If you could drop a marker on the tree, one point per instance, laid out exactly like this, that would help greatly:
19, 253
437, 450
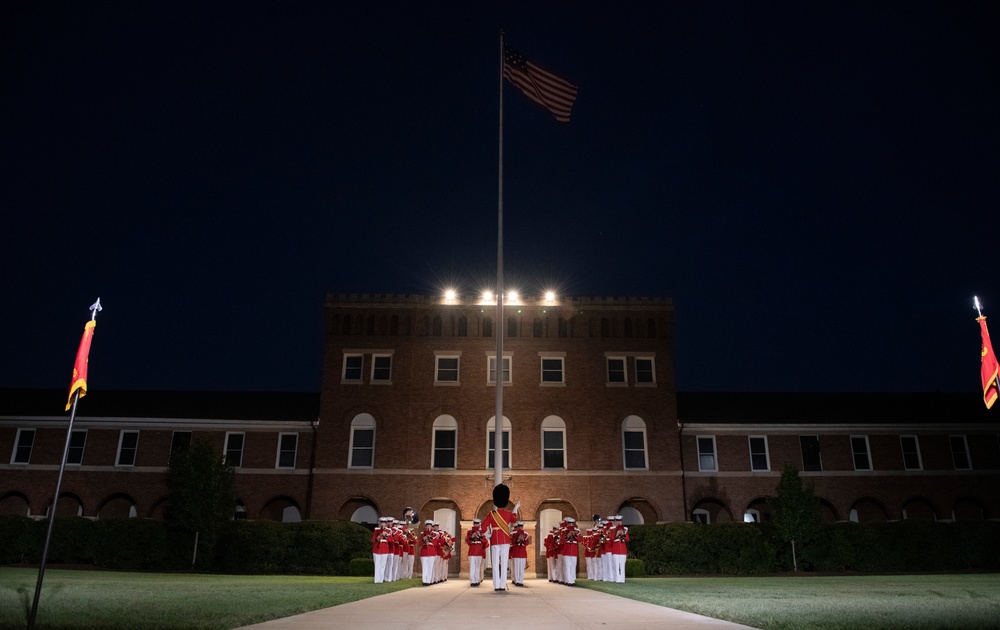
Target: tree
202, 492
796, 510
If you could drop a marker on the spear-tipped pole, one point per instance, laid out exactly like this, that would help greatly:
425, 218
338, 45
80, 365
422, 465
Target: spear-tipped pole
94, 308
979, 309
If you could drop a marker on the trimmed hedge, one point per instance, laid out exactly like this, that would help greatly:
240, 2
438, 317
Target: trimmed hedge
362, 567
322, 548
634, 568
751, 549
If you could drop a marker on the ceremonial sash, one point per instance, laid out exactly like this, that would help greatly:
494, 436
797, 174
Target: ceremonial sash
502, 523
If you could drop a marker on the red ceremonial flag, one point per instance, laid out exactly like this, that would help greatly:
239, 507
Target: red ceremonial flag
543, 87
79, 381
988, 367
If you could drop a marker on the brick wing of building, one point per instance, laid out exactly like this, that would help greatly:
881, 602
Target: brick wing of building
592, 426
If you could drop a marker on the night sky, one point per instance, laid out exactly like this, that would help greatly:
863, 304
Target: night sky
815, 185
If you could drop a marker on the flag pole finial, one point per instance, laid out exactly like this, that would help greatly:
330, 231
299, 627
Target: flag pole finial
95, 308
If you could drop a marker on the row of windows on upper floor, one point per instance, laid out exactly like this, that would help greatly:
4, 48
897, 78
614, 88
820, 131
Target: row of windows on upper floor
444, 443
517, 326
619, 368
128, 447
812, 458
444, 447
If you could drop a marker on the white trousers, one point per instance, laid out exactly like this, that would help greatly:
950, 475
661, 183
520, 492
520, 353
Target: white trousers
568, 568
427, 569
475, 569
381, 559
498, 557
518, 566
619, 563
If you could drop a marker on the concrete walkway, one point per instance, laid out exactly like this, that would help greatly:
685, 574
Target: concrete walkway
453, 604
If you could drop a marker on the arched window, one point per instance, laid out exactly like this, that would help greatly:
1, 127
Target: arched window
536, 327
487, 327
553, 442
563, 328
362, 448
628, 328
651, 328
605, 327
490, 443
463, 327
512, 327
394, 325
436, 327
634, 443
445, 442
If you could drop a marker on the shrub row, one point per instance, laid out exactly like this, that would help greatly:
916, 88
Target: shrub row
324, 548
750, 549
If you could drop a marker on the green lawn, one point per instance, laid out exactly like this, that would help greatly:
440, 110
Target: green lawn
158, 601
828, 603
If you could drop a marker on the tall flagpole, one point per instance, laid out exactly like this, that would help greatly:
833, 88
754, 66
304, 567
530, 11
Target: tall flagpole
55, 500
498, 423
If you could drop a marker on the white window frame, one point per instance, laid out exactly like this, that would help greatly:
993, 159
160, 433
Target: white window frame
635, 424
553, 424
295, 451
135, 450
444, 423
82, 447
916, 445
965, 444
767, 453
437, 368
506, 428
360, 368
607, 370
17, 443
373, 379
243, 446
715, 453
561, 358
868, 453
652, 371
362, 422
507, 365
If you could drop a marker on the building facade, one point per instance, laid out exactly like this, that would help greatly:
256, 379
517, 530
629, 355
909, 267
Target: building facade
592, 425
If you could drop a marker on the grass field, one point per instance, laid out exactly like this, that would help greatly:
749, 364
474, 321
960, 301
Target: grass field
156, 601
89, 600
910, 602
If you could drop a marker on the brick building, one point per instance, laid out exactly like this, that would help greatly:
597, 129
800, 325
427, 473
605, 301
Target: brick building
592, 425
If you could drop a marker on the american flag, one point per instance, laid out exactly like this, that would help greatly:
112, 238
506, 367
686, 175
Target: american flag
543, 87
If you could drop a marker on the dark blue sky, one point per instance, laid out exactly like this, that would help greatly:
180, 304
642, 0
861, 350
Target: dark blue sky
816, 185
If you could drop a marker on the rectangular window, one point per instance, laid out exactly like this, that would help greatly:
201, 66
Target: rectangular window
181, 440
444, 448
616, 369
490, 461
288, 445
635, 449
234, 449
860, 452
446, 370
362, 448
911, 452
22, 446
128, 444
74, 456
352, 368
552, 369
644, 372
553, 449
381, 368
810, 452
706, 454
759, 461
491, 376
960, 452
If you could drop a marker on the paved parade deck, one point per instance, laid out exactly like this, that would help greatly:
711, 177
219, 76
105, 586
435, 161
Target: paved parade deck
453, 604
